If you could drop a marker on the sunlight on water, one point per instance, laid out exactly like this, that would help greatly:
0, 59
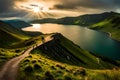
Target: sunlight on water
91, 40
36, 26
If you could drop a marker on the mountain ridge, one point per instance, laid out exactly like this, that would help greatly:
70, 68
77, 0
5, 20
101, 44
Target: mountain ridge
61, 59
17, 23
58, 58
63, 50
10, 35
83, 20
110, 25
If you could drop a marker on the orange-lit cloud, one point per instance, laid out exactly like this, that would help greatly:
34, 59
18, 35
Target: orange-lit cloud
58, 8
66, 4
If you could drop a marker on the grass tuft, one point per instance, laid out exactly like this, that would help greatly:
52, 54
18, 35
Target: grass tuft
28, 69
49, 76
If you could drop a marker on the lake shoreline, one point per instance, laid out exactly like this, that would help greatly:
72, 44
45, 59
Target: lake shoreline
96, 41
109, 35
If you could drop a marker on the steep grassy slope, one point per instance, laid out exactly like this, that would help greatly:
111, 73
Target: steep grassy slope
63, 50
84, 20
110, 25
61, 59
10, 35
9, 51
37, 67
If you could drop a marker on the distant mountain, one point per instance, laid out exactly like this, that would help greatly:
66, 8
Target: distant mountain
17, 23
10, 35
63, 50
110, 25
84, 20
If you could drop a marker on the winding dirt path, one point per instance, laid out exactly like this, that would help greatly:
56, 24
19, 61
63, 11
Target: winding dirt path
9, 70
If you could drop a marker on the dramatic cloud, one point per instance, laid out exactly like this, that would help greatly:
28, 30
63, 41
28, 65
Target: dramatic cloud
94, 4
6, 5
13, 7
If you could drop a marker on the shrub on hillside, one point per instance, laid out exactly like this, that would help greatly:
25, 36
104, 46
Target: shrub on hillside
27, 60
37, 67
60, 66
34, 61
67, 77
80, 71
48, 76
28, 69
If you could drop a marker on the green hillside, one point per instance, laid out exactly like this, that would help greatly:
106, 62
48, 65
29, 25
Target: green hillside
37, 67
50, 61
58, 59
17, 23
63, 50
10, 35
83, 20
110, 25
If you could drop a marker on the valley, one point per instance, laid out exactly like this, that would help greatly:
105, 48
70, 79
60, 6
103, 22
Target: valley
55, 55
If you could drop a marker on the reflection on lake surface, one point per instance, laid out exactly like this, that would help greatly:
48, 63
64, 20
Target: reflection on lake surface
91, 40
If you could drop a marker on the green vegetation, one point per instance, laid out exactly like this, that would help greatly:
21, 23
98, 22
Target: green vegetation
63, 50
14, 41
60, 58
17, 23
30, 42
110, 25
10, 35
38, 67
103, 75
6, 54
50, 62
82, 20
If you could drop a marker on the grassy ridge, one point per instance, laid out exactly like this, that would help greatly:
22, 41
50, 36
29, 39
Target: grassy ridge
82, 20
63, 50
16, 50
10, 35
7, 39
13, 31
60, 58
111, 25
13, 41
50, 62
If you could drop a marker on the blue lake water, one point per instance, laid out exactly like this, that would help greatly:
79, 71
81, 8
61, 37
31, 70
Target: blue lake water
91, 40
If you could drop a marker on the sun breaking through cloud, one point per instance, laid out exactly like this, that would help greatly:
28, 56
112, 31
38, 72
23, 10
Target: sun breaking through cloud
55, 8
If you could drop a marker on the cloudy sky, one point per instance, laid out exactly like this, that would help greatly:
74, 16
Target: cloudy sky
13, 8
